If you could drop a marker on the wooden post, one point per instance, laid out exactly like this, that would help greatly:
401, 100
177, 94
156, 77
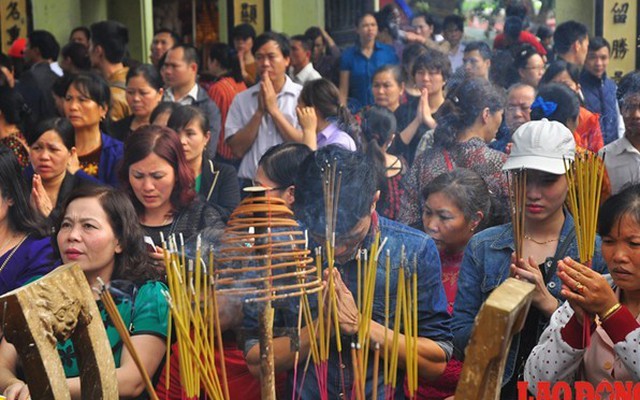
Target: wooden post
500, 318
265, 319
267, 367
55, 308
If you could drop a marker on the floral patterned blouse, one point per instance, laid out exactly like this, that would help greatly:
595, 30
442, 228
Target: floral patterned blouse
473, 154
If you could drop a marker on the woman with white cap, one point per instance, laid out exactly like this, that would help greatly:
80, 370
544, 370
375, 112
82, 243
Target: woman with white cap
540, 148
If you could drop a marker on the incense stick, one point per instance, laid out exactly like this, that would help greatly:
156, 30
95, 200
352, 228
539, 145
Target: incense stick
118, 323
517, 180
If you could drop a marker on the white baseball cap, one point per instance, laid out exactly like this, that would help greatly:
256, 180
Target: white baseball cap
541, 145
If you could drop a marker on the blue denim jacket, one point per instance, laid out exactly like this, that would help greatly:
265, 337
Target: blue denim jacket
433, 318
485, 266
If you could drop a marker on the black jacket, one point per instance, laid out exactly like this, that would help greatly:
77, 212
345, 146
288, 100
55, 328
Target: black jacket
219, 187
35, 87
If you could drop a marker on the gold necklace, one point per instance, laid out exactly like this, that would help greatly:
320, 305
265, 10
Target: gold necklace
540, 242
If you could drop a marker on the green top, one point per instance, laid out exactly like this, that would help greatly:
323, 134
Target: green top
198, 183
150, 316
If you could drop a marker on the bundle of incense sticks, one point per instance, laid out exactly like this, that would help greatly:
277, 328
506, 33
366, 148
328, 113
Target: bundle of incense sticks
327, 324
584, 179
114, 315
193, 302
319, 333
405, 325
517, 179
332, 180
367, 268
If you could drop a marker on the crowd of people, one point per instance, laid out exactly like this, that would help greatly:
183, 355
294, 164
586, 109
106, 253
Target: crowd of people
103, 156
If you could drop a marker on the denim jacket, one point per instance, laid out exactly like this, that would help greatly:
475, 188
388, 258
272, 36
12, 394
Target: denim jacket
433, 318
486, 264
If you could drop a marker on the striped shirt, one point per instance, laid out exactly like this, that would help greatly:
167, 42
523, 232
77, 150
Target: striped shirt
222, 93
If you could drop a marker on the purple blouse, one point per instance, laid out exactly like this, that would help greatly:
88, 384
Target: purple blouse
333, 135
32, 258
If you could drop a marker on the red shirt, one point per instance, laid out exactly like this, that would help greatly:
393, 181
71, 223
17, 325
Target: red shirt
222, 93
242, 385
525, 37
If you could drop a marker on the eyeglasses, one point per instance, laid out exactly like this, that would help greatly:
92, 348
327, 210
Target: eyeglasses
518, 107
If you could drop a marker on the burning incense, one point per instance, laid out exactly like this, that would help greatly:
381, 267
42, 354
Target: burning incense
517, 179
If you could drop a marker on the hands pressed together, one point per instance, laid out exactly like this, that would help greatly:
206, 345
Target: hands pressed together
348, 315
267, 98
39, 199
424, 109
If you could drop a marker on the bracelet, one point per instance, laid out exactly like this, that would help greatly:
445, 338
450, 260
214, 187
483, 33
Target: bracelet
610, 311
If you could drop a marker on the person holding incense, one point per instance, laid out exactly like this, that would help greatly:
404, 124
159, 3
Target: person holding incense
457, 205
547, 235
356, 226
611, 304
98, 230
556, 102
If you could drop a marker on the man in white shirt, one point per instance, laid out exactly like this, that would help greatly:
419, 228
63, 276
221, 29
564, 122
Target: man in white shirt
453, 31
179, 72
623, 155
301, 70
265, 114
